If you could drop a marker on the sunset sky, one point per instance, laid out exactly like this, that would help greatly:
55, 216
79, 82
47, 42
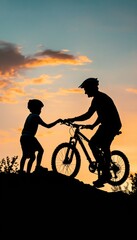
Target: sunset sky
47, 49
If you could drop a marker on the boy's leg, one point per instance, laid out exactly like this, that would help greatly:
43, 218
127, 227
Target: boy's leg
30, 162
40, 150
39, 157
24, 141
22, 163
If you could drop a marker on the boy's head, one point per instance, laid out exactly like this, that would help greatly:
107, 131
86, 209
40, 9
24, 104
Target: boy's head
35, 105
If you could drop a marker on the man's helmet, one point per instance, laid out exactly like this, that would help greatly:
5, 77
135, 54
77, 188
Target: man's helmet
34, 104
89, 83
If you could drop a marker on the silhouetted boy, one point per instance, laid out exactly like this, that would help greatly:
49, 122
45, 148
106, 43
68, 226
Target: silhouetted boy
29, 143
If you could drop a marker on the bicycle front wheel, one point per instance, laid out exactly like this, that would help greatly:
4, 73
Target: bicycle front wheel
119, 168
66, 160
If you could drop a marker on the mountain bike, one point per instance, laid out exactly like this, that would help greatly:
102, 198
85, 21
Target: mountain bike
66, 158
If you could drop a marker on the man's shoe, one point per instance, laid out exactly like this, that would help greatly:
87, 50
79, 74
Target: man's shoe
106, 176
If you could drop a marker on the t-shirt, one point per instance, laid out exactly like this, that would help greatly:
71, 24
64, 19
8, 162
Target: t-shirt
31, 124
106, 110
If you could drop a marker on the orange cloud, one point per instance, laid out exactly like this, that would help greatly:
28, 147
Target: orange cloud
9, 89
4, 83
43, 79
6, 99
16, 91
6, 136
12, 60
132, 90
63, 91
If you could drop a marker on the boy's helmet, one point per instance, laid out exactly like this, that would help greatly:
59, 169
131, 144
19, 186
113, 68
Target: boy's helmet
89, 83
34, 104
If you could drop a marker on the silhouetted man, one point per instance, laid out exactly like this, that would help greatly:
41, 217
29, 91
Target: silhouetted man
108, 122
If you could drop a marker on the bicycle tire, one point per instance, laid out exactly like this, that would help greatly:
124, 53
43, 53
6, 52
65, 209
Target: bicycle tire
58, 156
120, 161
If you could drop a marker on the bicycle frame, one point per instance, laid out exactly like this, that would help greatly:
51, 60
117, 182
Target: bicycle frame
66, 158
78, 138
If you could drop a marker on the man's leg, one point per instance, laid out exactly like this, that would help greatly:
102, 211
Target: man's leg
102, 138
107, 155
93, 143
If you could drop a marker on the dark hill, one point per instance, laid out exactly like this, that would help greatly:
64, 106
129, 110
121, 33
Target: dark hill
47, 200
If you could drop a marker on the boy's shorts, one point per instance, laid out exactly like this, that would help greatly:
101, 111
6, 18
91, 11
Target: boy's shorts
29, 145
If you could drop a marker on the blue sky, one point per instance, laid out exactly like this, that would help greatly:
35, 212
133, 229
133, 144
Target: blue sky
47, 48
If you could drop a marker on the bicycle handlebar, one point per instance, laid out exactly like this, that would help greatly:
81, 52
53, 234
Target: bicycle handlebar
68, 123
80, 126
71, 124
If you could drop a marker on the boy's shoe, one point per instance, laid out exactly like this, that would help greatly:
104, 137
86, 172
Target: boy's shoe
21, 172
98, 183
40, 170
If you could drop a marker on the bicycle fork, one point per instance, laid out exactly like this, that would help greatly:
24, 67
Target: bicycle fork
70, 152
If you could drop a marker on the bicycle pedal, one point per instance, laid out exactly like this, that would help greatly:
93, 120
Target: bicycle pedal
92, 167
92, 170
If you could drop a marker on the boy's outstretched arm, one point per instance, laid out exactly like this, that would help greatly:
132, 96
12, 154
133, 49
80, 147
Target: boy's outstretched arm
49, 125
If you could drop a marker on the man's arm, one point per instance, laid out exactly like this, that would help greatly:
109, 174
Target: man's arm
97, 122
82, 117
92, 126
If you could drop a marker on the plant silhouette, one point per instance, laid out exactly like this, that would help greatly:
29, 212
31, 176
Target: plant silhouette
9, 165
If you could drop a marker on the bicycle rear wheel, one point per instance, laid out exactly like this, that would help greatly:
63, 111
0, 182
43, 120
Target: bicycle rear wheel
119, 168
66, 160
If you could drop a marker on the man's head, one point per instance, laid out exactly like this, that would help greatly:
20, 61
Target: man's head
90, 86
